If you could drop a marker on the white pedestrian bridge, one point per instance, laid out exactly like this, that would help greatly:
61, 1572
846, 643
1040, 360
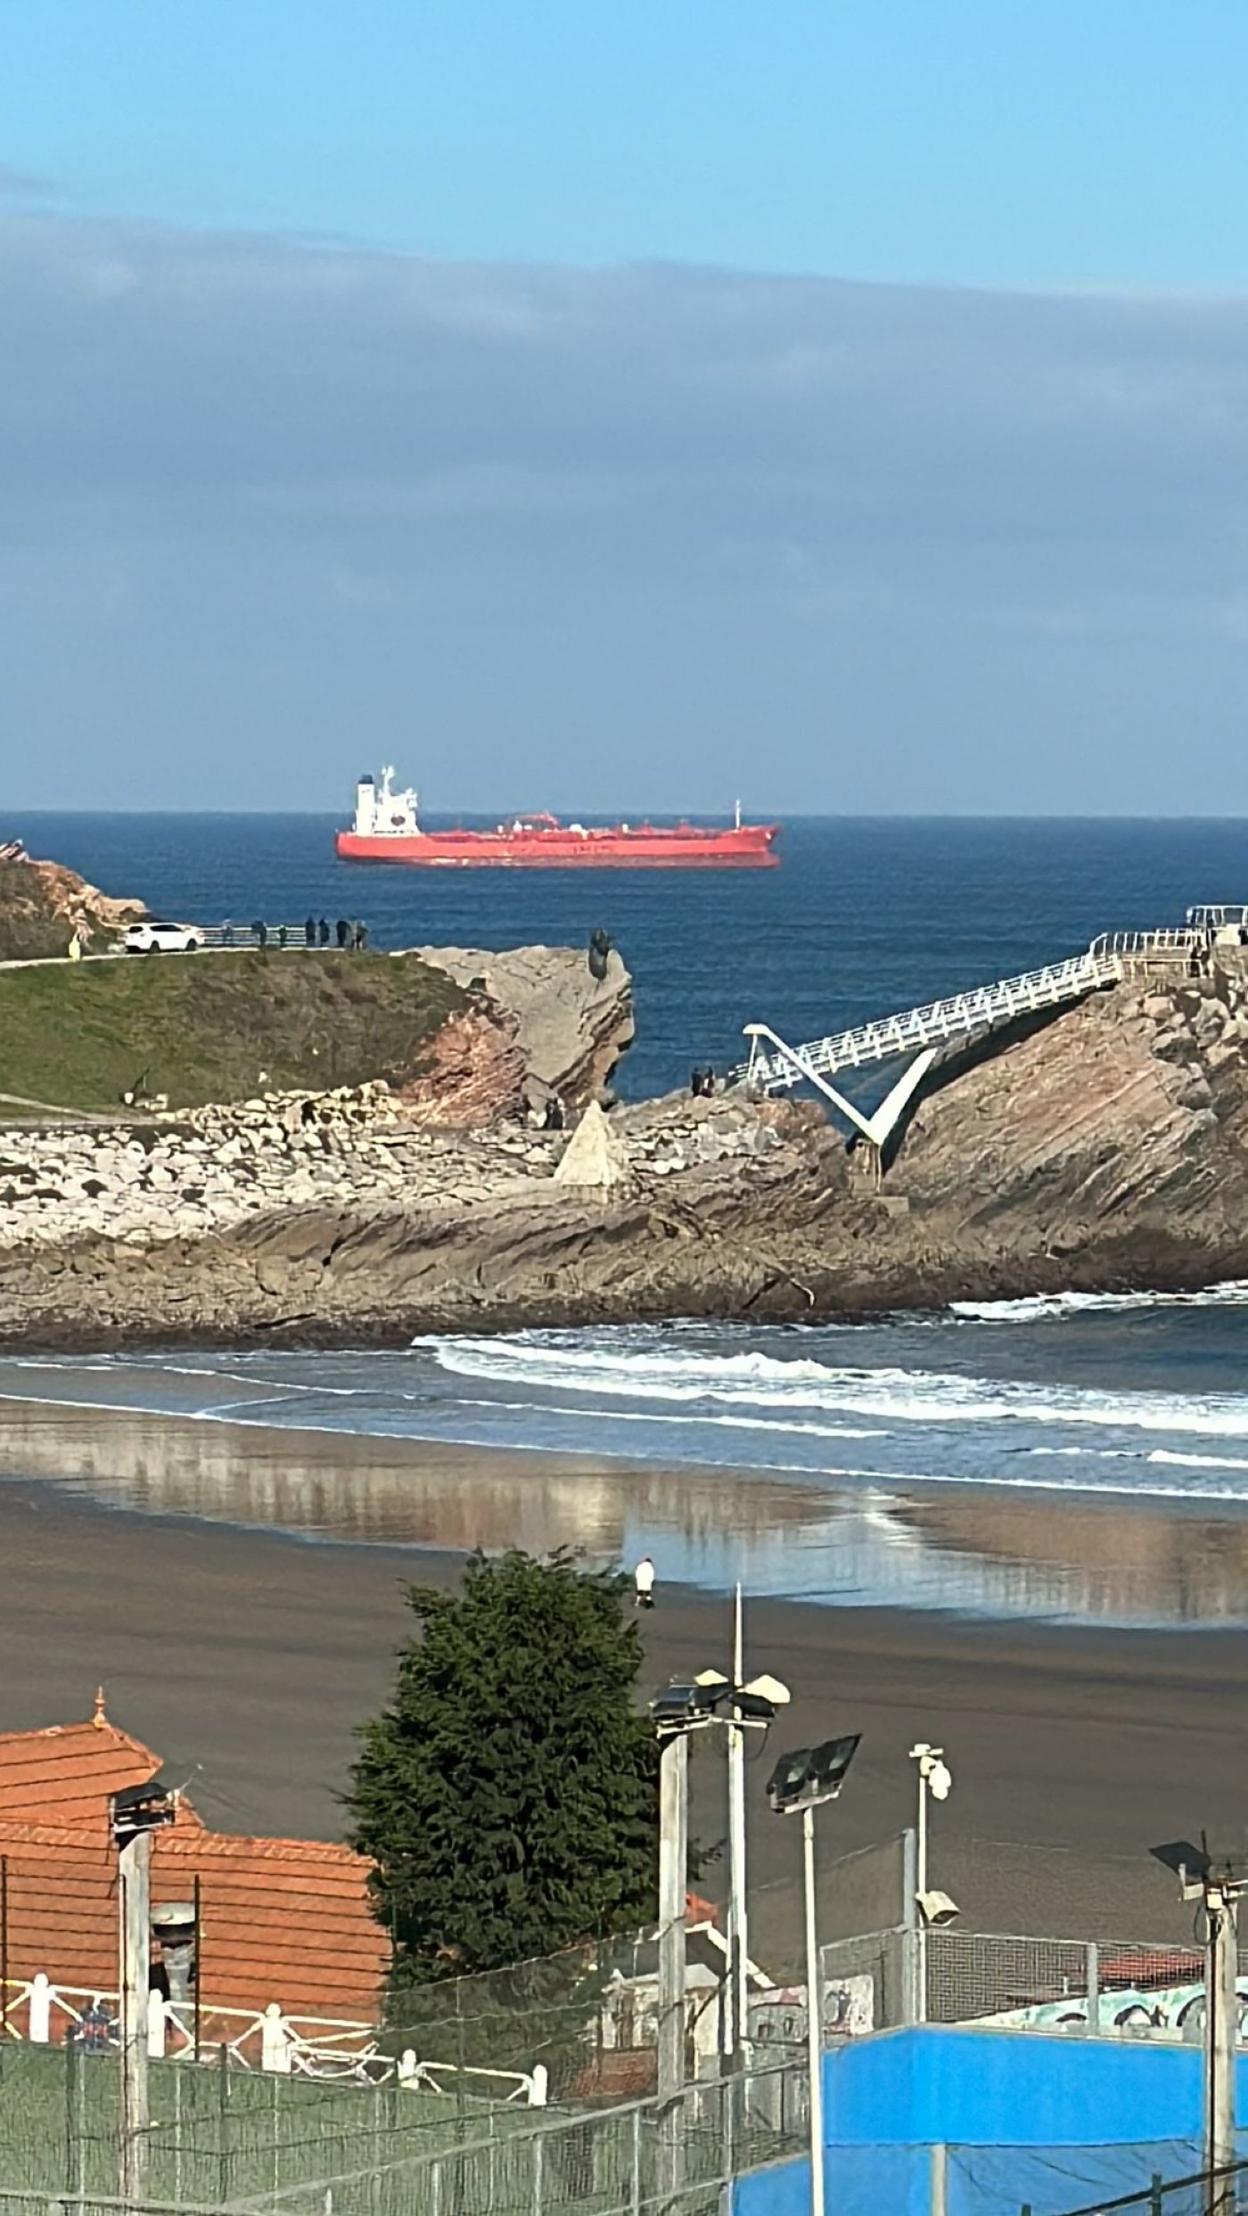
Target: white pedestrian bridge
775, 1066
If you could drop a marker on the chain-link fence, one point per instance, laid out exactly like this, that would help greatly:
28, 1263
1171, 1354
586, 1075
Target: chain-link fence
588, 2017
226, 2140
885, 1978
216, 2134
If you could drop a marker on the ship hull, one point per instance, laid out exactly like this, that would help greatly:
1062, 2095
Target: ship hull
748, 848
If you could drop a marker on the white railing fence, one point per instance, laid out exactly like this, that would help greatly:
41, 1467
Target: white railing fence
43, 2014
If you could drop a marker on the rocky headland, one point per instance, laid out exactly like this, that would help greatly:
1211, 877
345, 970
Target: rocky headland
1106, 1148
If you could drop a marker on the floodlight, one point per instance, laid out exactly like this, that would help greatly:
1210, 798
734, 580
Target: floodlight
768, 1689
937, 1909
713, 1681
680, 1707
1191, 1865
139, 1808
939, 1780
811, 1774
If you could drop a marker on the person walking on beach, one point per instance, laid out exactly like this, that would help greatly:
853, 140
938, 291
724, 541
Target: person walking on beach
643, 1583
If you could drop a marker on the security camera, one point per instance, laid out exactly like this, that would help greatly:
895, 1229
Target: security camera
937, 1909
939, 1780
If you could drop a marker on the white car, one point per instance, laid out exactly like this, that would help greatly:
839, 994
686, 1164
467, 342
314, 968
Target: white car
160, 938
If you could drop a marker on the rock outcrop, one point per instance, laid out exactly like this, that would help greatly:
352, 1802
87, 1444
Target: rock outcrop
42, 905
1107, 1149
569, 1026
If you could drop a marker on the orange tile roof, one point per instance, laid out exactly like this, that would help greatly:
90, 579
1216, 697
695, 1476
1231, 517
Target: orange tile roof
286, 1920
66, 1773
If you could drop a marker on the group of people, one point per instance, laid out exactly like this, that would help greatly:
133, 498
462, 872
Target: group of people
350, 936
702, 1083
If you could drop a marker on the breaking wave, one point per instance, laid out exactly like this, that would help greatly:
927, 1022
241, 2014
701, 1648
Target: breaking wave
567, 1364
1053, 1307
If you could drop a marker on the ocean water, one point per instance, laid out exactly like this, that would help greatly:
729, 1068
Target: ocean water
862, 916
1078, 1456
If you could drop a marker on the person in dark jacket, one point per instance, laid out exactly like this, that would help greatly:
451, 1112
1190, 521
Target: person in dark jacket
309, 931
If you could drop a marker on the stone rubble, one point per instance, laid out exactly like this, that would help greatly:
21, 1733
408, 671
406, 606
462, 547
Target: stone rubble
205, 1171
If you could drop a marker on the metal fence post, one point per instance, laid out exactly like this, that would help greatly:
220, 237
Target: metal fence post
911, 1960
177, 2133
634, 2201
939, 2179
223, 2123
1094, 1987
538, 2170
71, 2076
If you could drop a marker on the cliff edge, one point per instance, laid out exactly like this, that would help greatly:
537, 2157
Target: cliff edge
1107, 1150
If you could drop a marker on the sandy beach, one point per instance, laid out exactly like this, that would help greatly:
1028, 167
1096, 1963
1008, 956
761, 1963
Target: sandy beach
246, 1656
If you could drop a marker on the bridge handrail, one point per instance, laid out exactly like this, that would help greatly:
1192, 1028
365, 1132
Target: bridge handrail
1176, 940
1078, 973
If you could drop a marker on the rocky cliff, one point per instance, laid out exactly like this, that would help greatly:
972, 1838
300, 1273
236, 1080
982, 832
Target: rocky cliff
1107, 1149
42, 904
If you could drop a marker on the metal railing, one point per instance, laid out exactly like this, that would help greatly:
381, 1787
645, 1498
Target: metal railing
43, 2014
936, 1022
1180, 940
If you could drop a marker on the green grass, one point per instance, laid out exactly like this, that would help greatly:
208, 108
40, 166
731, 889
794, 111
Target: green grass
208, 1026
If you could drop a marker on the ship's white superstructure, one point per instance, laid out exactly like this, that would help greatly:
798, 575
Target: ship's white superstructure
381, 813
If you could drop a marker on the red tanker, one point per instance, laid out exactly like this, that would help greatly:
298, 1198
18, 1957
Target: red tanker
387, 829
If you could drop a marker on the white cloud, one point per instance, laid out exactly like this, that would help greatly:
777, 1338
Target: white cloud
679, 510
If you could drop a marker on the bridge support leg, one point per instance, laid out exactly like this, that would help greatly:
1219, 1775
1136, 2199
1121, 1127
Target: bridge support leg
881, 1126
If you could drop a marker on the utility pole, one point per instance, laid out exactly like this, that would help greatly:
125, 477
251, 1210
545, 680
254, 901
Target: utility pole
673, 1866
676, 1712
1221, 2033
737, 2012
814, 2013
800, 1783
935, 1779
136, 1813
134, 1891
1218, 1884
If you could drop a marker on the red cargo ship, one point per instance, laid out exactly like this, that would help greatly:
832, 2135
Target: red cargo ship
387, 829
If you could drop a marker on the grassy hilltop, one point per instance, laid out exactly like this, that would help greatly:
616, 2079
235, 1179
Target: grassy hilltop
211, 1026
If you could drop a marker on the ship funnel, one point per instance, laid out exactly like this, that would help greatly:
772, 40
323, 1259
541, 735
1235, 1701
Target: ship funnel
365, 807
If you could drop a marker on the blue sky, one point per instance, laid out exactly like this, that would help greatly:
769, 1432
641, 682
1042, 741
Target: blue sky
1066, 142
598, 406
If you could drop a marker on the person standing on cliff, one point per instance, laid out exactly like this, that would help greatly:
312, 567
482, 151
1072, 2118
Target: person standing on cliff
643, 1583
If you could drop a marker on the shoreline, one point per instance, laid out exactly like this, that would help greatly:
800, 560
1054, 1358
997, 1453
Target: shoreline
1171, 1273
246, 1657
1076, 1556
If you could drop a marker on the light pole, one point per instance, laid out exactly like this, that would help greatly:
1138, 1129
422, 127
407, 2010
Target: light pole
682, 1708
935, 1778
735, 2027
675, 1712
800, 1783
1217, 1884
137, 1811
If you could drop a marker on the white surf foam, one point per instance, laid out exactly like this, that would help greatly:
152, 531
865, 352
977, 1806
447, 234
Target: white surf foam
762, 1382
1053, 1307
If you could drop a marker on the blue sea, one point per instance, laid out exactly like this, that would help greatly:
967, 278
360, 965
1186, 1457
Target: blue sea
1074, 1456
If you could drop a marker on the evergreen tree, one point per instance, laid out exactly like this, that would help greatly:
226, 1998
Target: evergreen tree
507, 1796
